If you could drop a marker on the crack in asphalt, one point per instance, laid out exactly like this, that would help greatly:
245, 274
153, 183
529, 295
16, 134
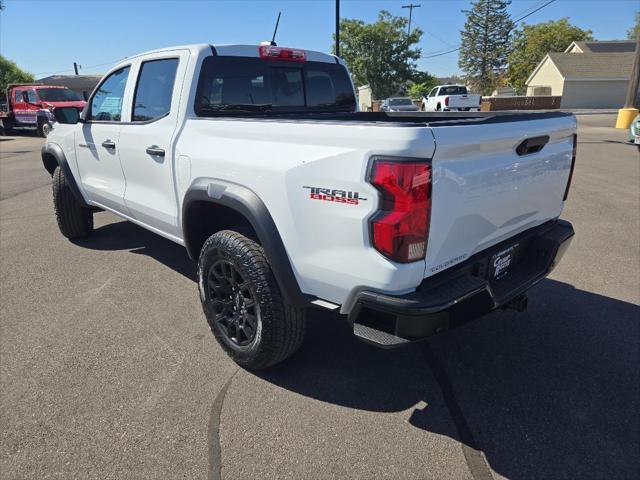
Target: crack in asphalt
473, 455
213, 432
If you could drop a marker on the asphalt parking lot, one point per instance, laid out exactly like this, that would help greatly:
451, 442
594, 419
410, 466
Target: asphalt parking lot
108, 368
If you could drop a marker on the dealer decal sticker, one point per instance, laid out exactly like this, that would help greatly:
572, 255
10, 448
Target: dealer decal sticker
334, 195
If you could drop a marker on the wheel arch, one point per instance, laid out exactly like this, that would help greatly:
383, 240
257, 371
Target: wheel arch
228, 205
53, 157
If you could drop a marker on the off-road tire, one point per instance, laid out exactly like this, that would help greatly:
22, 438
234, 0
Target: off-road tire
74, 221
281, 327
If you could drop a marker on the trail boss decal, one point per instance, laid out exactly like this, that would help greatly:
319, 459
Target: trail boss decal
334, 195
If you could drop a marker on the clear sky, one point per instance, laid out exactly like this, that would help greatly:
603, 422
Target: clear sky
47, 36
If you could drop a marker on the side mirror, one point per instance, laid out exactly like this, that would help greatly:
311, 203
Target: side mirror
68, 115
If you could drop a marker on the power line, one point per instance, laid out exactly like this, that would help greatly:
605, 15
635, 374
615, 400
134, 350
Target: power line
439, 53
533, 11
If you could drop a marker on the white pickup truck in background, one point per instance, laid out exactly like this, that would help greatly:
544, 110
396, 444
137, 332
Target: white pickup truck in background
445, 98
256, 159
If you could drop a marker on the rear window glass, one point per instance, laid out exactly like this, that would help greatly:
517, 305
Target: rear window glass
453, 90
240, 84
400, 101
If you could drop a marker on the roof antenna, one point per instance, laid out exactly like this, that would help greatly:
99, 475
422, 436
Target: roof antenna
275, 30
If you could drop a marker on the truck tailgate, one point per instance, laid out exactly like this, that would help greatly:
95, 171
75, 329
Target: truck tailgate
484, 191
463, 101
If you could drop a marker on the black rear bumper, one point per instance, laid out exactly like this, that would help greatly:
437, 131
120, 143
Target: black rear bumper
461, 293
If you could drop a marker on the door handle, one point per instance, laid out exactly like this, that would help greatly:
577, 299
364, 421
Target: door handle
83, 145
109, 144
155, 150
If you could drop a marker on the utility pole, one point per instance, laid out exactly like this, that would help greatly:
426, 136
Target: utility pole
75, 67
630, 110
411, 6
337, 28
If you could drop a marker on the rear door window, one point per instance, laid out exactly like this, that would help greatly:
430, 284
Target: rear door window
154, 90
254, 84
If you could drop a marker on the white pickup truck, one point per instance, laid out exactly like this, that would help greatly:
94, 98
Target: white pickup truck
256, 159
446, 98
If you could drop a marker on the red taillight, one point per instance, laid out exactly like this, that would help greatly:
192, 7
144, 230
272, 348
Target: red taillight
446, 101
573, 164
400, 228
279, 53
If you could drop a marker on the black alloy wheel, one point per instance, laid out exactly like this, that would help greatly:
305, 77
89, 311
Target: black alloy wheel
234, 303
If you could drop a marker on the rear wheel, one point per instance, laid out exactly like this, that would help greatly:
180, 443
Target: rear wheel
439, 108
74, 221
243, 303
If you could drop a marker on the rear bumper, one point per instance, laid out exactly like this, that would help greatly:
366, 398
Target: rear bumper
461, 293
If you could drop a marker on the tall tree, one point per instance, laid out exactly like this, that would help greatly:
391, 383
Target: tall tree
485, 43
380, 54
11, 73
421, 85
634, 31
532, 42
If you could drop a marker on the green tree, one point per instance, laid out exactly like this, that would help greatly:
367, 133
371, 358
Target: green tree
634, 31
422, 84
380, 54
532, 42
11, 73
485, 43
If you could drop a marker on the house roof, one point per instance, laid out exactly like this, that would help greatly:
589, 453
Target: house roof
589, 66
605, 46
593, 65
72, 81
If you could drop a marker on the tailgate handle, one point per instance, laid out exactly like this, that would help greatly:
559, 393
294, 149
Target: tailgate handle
532, 145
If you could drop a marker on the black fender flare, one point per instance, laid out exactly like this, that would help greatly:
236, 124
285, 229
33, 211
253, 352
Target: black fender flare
54, 150
248, 204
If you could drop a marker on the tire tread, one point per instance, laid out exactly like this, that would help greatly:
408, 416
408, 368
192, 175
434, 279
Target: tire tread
283, 326
74, 221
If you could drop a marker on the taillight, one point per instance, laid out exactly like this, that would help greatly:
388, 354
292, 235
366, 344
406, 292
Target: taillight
279, 53
400, 228
446, 101
573, 164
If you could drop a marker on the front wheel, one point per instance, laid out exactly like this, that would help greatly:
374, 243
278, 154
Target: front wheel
74, 221
243, 304
44, 128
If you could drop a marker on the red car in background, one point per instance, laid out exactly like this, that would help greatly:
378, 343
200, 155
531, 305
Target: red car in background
30, 106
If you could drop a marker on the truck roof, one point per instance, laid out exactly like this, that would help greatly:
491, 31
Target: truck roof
238, 50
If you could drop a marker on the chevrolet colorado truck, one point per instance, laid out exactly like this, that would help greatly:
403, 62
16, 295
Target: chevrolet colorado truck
256, 160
